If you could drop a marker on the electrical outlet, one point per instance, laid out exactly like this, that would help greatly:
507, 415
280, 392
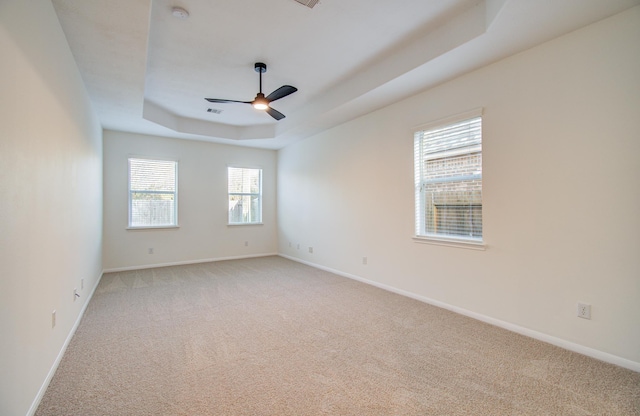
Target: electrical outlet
311, 250
246, 244
150, 250
364, 260
298, 246
289, 244
53, 319
584, 311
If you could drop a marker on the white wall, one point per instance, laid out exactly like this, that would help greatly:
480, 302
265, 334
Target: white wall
50, 199
202, 203
561, 192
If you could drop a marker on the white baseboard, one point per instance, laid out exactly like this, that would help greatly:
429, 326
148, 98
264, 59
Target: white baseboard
558, 342
181, 263
56, 363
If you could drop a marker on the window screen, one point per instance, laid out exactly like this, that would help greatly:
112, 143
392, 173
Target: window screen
448, 179
245, 195
153, 193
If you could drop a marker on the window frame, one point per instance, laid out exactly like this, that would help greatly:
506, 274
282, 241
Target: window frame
420, 232
130, 191
259, 195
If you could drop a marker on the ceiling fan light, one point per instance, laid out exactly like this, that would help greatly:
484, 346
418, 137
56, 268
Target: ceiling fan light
259, 104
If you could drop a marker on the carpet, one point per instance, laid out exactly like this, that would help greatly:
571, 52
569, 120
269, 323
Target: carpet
269, 336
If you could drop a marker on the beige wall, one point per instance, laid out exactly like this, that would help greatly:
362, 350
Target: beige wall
50, 198
560, 203
202, 203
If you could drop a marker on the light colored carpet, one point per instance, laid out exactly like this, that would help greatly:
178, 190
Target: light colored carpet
269, 336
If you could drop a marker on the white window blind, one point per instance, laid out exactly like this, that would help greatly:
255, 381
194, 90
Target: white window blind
245, 195
448, 179
153, 193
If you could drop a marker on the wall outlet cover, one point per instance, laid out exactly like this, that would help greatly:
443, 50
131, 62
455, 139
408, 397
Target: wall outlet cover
584, 310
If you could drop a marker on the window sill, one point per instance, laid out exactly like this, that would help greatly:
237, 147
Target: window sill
244, 223
159, 227
471, 245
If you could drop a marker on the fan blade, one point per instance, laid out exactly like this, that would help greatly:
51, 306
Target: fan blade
217, 100
281, 92
274, 113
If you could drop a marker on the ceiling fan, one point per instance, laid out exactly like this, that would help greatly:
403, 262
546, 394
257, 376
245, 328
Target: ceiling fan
261, 102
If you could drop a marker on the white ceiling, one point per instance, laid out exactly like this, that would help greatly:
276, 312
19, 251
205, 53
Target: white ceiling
148, 72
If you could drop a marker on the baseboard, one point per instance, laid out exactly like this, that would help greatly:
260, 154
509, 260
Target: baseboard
56, 363
182, 263
549, 339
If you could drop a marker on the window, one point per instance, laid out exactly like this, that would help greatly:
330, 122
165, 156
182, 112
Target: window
448, 179
153, 193
245, 195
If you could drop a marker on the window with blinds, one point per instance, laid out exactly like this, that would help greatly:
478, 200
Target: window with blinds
448, 180
245, 195
153, 193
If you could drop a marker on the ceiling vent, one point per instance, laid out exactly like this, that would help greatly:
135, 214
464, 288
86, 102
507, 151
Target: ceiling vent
308, 3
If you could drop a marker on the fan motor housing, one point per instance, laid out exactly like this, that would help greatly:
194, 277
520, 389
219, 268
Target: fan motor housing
260, 67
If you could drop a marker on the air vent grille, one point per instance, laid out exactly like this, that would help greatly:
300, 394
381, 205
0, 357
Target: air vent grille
214, 110
308, 3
